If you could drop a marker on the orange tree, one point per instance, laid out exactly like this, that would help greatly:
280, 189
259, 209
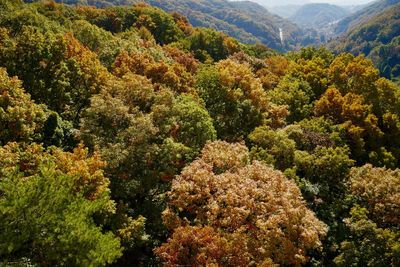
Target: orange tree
253, 211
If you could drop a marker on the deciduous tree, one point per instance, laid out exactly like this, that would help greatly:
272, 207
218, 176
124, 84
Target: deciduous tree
248, 203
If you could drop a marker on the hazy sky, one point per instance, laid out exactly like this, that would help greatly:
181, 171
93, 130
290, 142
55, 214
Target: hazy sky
343, 2
300, 2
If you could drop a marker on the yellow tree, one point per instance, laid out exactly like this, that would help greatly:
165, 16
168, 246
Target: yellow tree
236, 100
20, 118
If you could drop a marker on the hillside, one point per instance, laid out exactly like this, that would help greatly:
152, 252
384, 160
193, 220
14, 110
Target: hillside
318, 15
363, 15
294, 37
378, 38
244, 20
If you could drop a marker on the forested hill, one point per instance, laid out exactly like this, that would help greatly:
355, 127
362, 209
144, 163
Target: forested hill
378, 38
363, 15
244, 20
128, 137
318, 15
225, 16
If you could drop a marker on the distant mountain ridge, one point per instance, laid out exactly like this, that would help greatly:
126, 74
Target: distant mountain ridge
318, 14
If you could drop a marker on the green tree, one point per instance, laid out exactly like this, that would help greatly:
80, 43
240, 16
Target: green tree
187, 122
55, 69
235, 99
210, 44
368, 245
327, 168
161, 24
296, 95
106, 45
44, 221
54, 208
316, 131
272, 147
313, 71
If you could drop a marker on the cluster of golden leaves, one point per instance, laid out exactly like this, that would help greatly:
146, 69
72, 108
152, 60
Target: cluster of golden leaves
173, 75
20, 117
379, 190
242, 82
241, 201
94, 73
242, 85
88, 169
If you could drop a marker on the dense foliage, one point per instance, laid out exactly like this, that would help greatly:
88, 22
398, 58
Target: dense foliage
130, 137
246, 21
256, 210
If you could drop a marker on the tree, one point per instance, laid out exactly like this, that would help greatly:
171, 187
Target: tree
354, 74
54, 208
185, 59
102, 42
55, 69
276, 68
146, 135
45, 222
374, 218
368, 245
296, 95
210, 44
310, 53
20, 117
119, 19
327, 169
235, 99
187, 122
355, 116
322, 176
158, 22
378, 190
313, 71
202, 246
125, 139
247, 203
160, 73
272, 147
317, 131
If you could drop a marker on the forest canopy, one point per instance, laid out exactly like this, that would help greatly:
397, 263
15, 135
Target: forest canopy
130, 137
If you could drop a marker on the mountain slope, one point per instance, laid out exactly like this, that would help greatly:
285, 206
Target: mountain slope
317, 15
363, 15
244, 20
378, 38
